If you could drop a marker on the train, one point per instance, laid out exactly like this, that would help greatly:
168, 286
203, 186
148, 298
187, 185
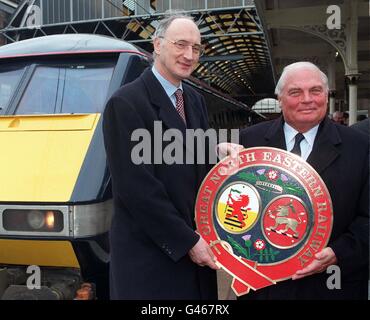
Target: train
55, 190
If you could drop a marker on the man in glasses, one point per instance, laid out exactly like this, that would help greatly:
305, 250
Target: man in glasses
155, 252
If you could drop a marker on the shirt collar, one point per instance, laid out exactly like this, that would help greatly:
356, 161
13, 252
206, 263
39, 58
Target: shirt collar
167, 86
309, 135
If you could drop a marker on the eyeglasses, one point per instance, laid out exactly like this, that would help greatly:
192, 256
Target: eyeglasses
198, 49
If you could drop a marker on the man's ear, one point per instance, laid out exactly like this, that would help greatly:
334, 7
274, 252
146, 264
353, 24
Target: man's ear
157, 46
279, 99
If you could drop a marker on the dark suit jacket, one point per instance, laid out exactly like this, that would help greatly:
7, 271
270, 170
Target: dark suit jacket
153, 225
362, 126
341, 157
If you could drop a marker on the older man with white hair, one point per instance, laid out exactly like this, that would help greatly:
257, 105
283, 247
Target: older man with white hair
341, 156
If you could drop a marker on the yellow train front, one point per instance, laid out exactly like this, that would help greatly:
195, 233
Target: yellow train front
55, 196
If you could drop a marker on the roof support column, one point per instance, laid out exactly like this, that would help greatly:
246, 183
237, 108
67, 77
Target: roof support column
352, 97
332, 88
351, 56
332, 94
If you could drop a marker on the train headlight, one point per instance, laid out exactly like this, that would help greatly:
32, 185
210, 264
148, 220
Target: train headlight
33, 220
36, 219
49, 219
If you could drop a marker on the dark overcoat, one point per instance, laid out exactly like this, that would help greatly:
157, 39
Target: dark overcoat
153, 224
341, 157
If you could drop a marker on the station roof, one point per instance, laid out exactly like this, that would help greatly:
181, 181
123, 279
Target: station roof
297, 30
236, 59
247, 42
9, 6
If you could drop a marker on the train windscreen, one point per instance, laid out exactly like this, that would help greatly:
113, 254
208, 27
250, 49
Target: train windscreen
74, 88
9, 81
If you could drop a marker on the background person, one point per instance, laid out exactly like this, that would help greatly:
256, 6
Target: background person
338, 117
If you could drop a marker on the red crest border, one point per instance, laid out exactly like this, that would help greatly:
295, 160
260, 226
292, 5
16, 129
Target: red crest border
249, 273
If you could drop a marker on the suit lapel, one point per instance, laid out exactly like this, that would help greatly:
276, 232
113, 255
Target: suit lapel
191, 111
166, 111
324, 151
193, 120
170, 117
275, 135
162, 103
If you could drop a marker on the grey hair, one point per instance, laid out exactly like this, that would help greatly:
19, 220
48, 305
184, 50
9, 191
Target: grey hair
300, 65
165, 23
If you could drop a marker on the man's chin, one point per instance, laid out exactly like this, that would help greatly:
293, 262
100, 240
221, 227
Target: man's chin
309, 121
185, 73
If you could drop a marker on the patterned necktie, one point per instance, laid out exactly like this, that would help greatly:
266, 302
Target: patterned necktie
180, 104
297, 148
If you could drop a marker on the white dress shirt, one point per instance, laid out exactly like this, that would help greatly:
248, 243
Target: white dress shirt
306, 144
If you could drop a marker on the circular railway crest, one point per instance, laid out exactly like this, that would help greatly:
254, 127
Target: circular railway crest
265, 214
